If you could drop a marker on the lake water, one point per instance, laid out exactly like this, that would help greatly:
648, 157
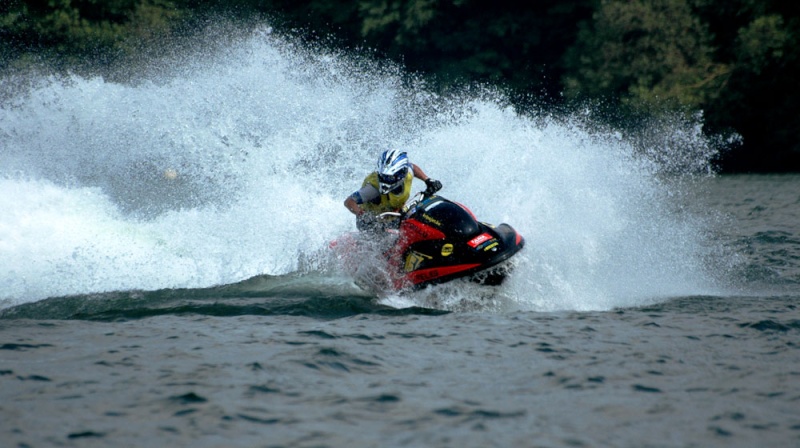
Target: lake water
165, 278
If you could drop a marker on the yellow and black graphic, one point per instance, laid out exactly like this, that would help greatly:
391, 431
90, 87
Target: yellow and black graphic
447, 250
431, 220
491, 246
414, 259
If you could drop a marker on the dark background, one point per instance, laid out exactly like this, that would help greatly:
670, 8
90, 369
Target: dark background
735, 61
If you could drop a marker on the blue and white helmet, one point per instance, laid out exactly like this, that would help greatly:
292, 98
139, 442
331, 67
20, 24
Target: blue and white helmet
393, 166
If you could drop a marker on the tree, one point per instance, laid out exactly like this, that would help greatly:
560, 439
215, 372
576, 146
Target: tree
517, 46
760, 41
644, 52
80, 32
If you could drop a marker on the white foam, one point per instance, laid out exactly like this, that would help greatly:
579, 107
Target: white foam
236, 164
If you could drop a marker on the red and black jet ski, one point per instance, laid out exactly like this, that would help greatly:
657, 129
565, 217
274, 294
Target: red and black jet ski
434, 240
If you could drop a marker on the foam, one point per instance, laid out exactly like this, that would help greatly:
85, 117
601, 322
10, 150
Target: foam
230, 164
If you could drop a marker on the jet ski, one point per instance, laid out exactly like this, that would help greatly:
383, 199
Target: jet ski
434, 240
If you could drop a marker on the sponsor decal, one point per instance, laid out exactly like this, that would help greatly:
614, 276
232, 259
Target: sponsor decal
491, 246
431, 220
447, 250
482, 238
414, 259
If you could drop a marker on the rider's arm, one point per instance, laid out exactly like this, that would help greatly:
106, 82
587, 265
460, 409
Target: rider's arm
432, 184
418, 173
353, 206
367, 193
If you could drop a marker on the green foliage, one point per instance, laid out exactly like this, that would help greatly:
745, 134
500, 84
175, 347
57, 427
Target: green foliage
738, 61
74, 31
508, 44
645, 51
763, 41
760, 41
407, 18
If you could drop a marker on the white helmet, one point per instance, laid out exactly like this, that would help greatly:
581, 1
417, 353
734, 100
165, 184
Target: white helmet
393, 167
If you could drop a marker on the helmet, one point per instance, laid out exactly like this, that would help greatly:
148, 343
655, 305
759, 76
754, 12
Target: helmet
392, 169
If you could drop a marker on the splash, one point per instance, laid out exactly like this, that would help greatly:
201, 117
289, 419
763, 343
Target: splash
234, 162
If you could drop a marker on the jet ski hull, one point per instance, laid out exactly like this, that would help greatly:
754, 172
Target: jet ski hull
438, 241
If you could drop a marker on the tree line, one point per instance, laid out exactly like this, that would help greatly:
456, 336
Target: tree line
737, 61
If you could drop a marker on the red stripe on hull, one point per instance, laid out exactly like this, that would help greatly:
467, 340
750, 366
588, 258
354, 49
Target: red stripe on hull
425, 275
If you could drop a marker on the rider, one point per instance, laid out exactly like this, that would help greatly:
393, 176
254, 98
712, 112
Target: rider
387, 189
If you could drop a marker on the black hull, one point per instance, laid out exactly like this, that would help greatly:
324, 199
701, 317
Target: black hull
492, 267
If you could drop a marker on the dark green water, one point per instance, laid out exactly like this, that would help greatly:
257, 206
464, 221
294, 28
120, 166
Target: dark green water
309, 360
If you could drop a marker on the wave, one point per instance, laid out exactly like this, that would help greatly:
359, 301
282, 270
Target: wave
291, 295
233, 163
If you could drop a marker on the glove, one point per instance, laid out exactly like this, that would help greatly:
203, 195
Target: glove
433, 186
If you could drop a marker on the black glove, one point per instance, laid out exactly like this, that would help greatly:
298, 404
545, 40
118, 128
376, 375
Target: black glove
433, 186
